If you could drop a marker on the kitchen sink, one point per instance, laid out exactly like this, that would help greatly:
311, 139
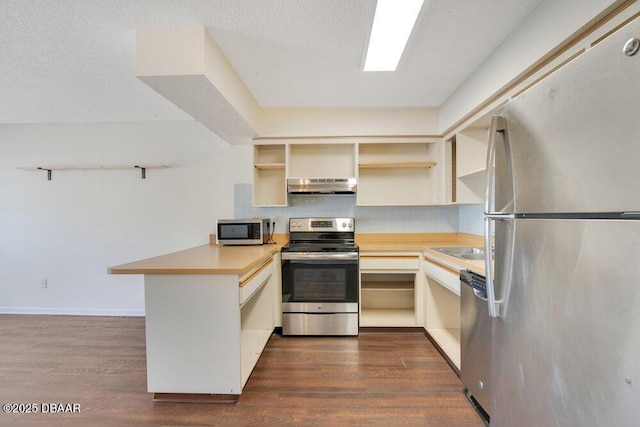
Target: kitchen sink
463, 252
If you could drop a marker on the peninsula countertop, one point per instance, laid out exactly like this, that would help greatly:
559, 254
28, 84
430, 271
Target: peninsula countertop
216, 259
204, 259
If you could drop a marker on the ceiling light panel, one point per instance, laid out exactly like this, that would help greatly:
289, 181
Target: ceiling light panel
392, 26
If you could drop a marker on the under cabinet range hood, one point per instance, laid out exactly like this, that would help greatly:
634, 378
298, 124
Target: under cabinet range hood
321, 185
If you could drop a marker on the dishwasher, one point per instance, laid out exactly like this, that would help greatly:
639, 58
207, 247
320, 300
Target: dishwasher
475, 341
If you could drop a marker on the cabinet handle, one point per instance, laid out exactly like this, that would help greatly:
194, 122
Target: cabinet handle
253, 274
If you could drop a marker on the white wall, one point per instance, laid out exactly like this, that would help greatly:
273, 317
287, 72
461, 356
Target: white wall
348, 121
70, 229
546, 28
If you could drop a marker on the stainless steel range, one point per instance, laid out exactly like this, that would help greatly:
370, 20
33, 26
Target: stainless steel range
320, 277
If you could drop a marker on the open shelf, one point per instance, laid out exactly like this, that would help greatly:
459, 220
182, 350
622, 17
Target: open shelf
50, 169
269, 166
470, 165
449, 342
256, 319
396, 187
442, 313
387, 286
387, 317
393, 165
397, 174
387, 299
269, 175
252, 342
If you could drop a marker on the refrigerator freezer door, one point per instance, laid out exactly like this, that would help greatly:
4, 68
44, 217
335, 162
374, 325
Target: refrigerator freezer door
575, 136
567, 343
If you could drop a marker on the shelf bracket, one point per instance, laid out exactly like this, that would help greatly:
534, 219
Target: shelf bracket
48, 172
144, 171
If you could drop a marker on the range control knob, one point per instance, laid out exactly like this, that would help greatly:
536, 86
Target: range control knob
319, 307
344, 224
350, 225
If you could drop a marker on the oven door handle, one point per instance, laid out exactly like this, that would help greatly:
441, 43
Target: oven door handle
305, 256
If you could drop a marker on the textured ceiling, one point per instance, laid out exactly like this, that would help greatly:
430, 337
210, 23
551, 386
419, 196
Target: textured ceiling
73, 61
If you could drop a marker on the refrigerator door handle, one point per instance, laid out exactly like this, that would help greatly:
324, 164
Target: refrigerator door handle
497, 125
488, 264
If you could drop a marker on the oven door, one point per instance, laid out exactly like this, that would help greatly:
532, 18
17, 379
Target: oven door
319, 278
319, 293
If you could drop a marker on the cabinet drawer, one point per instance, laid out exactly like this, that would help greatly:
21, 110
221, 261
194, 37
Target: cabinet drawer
254, 280
389, 262
443, 276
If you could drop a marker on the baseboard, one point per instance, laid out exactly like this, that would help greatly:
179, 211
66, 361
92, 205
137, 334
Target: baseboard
391, 329
452, 365
72, 311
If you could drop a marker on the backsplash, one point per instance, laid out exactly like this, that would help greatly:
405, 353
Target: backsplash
471, 219
369, 219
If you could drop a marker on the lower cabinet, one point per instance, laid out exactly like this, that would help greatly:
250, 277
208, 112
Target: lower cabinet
391, 290
256, 317
442, 307
205, 332
405, 289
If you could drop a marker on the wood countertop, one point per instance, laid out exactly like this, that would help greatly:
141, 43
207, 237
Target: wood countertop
423, 243
217, 259
475, 266
414, 242
205, 259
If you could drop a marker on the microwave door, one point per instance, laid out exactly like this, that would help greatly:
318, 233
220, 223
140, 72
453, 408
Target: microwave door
238, 232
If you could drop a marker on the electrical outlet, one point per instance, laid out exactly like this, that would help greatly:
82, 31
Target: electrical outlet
43, 283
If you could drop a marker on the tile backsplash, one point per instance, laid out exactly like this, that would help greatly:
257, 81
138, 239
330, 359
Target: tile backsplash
369, 219
470, 219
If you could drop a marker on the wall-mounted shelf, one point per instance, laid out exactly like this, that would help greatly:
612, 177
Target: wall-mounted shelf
50, 169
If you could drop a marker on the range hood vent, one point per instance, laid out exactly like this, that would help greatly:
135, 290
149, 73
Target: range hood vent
321, 185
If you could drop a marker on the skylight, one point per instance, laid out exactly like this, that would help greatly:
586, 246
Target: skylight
392, 26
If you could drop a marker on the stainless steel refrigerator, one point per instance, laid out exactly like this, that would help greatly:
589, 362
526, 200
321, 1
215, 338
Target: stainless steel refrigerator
563, 205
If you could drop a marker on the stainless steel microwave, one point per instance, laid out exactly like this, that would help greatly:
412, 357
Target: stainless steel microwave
254, 231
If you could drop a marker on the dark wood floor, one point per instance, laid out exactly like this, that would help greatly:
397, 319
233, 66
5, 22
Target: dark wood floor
99, 363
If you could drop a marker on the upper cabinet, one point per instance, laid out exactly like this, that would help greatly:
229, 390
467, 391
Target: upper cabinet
321, 160
469, 153
398, 173
389, 171
276, 160
269, 178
